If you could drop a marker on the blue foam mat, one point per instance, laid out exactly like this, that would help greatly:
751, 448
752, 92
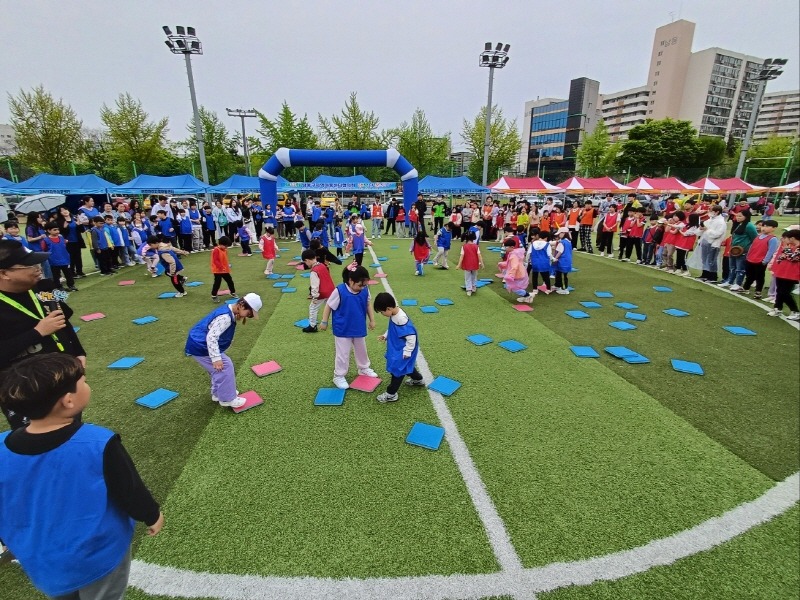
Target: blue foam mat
194, 283
145, 320
126, 362
425, 436
329, 397
736, 330
408, 302
620, 351
622, 325
444, 302
584, 351
626, 305
280, 284
429, 309
512, 345
676, 312
604, 294
301, 323
636, 316
156, 398
662, 288
686, 366
479, 339
273, 276
167, 295
444, 385
288, 290
577, 314
589, 304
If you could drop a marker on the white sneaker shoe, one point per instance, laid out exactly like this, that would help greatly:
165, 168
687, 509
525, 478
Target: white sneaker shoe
774, 313
384, 398
736, 288
235, 403
724, 284
795, 316
341, 383
368, 372
562, 291
602, 254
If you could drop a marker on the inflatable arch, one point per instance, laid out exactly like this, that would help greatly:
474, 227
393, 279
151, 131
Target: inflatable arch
284, 157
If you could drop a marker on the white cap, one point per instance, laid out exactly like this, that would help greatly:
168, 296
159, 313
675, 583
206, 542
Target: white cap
254, 302
563, 230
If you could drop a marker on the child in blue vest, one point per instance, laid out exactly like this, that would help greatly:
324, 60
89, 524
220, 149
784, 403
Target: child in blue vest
443, 239
209, 228
197, 228
59, 256
165, 226
149, 253
338, 238
114, 242
562, 258
402, 346
12, 233
303, 235
350, 306
359, 241
173, 268
102, 245
127, 253
69, 492
244, 239
212, 336
184, 230
539, 260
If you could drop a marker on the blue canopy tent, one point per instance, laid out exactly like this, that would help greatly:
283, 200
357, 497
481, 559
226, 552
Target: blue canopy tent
450, 185
153, 184
242, 184
4, 183
45, 183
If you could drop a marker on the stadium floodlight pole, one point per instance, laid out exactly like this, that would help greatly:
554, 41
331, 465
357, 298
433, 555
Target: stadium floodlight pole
496, 58
771, 69
185, 41
243, 113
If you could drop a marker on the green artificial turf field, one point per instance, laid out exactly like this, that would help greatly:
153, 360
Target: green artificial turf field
580, 457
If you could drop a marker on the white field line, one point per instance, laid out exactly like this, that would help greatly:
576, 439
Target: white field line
180, 583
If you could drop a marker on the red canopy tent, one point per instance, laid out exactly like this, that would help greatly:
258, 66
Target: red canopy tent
733, 185
523, 185
790, 188
582, 185
670, 185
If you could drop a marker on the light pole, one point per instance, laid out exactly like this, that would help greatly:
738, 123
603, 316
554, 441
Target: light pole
769, 71
184, 41
243, 113
493, 59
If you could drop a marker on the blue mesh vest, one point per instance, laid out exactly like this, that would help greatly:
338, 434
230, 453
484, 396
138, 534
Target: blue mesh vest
564, 264
56, 516
349, 320
196, 342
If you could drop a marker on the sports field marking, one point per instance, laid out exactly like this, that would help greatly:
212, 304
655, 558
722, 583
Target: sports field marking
172, 582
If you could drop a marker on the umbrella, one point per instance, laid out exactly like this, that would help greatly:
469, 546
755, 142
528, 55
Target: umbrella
40, 203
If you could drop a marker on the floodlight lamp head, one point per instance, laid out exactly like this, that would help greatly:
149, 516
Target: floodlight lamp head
180, 29
488, 46
167, 30
780, 61
170, 45
505, 60
180, 44
195, 46
499, 46
506, 48
190, 31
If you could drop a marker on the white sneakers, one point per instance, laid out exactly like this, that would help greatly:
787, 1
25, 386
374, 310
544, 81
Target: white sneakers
385, 397
562, 291
795, 316
774, 313
235, 403
736, 288
724, 284
368, 372
341, 383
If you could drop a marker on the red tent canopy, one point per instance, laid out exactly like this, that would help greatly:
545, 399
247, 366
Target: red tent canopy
521, 185
582, 185
728, 186
662, 184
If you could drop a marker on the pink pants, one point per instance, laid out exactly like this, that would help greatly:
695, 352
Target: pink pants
343, 346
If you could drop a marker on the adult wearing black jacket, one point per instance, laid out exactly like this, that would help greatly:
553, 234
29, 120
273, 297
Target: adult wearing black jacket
421, 207
389, 216
33, 316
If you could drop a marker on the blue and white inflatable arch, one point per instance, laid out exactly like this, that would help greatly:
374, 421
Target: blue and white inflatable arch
284, 157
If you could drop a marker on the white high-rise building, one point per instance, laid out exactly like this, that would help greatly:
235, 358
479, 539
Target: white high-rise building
779, 115
8, 146
622, 111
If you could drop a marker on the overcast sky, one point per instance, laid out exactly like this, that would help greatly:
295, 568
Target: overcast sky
396, 55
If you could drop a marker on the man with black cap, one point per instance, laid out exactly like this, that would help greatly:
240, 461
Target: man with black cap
33, 316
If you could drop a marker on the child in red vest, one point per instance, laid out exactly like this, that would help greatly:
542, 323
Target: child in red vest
608, 226
470, 260
761, 251
421, 250
786, 274
268, 249
321, 287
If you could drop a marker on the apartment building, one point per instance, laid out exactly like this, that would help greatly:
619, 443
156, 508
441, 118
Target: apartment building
622, 111
779, 115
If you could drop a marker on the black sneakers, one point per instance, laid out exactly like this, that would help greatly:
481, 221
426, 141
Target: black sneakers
310, 329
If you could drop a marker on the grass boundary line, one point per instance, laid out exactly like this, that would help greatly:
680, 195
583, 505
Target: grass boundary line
172, 582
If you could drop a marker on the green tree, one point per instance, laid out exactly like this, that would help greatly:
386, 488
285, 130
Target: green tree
286, 131
95, 157
131, 137
352, 129
767, 160
416, 142
504, 143
47, 131
221, 147
596, 154
712, 151
655, 146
